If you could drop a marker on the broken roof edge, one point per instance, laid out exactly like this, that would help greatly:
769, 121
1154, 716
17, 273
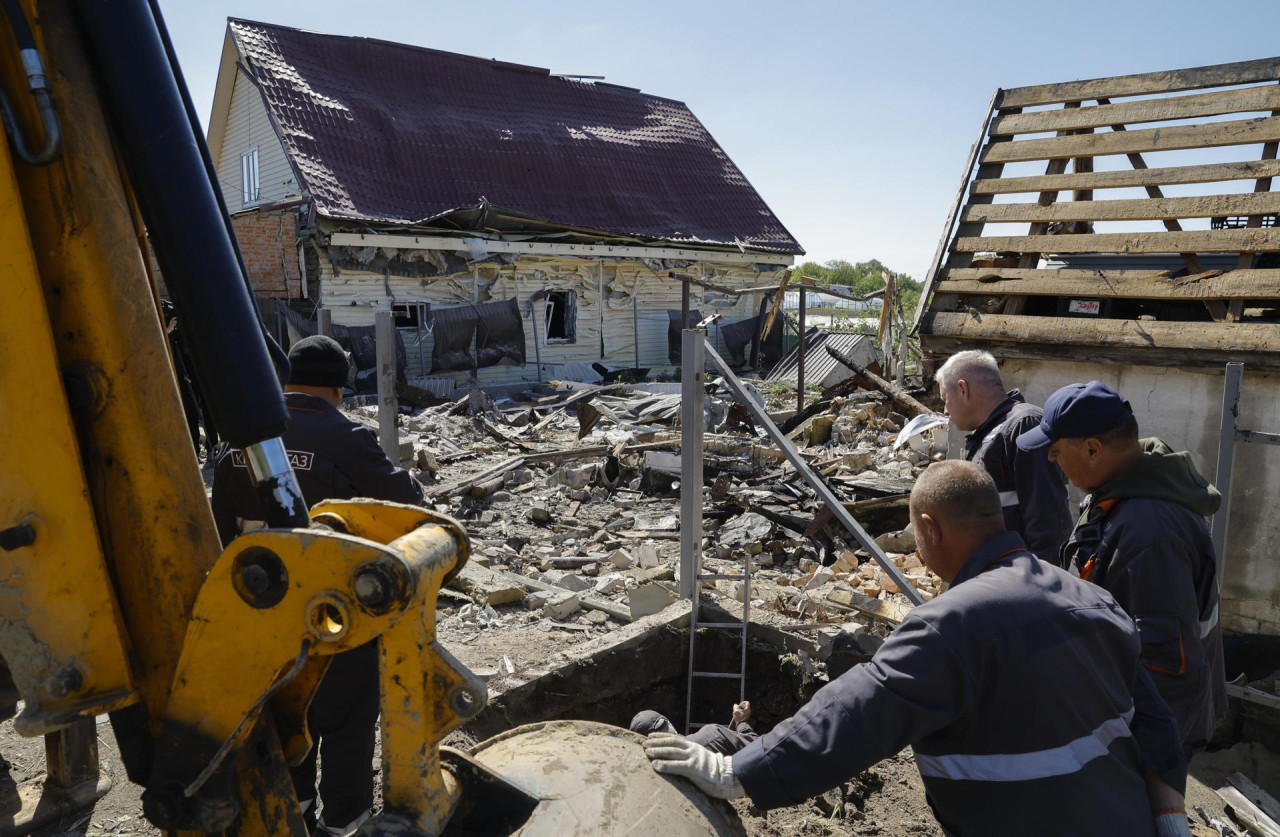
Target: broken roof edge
432, 240
557, 232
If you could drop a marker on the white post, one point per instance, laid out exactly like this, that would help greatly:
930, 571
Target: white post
692, 424
388, 436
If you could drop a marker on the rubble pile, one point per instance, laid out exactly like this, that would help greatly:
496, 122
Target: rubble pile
571, 495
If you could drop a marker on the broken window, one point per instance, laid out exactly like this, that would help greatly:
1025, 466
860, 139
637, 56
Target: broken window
675, 325
561, 317
415, 315
249, 176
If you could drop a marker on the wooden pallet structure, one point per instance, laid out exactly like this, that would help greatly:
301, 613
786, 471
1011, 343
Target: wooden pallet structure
1118, 278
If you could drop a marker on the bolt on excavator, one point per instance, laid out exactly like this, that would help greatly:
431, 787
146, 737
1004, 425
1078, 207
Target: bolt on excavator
116, 597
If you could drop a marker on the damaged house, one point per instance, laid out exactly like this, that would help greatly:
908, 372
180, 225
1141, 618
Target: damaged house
1126, 230
520, 225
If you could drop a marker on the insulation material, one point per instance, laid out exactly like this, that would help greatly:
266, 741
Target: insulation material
453, 329
499, 333
674, 329
740, 336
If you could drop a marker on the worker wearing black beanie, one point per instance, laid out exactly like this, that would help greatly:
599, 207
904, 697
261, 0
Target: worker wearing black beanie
318, 361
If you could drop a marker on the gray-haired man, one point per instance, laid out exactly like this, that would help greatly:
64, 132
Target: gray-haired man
1033, 491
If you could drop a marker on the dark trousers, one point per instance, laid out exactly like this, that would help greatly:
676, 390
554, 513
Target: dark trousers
715, 737
342, 720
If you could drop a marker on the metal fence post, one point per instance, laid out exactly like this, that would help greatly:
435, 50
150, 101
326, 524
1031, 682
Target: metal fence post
388, 436
1226, 460
324, 322
800, 356
692, 421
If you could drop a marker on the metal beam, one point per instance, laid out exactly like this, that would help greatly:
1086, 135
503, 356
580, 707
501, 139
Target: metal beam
1227, 435
542, 248
815, 482
692, 422
324, 322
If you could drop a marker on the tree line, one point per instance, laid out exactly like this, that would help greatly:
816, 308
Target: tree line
863, 278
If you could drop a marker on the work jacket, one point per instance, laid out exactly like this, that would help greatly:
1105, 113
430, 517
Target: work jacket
1020, 692
1033, 490
1143, 537
334, 458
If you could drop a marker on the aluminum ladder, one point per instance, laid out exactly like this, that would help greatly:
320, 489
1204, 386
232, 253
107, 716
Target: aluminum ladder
695, 623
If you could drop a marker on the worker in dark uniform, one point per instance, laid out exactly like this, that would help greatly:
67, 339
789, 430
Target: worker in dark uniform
1143, 537
1033, 492
1018, 689
335, 459
717, 738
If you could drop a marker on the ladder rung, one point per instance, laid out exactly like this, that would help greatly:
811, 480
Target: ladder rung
720, 577
739, 625
728, 675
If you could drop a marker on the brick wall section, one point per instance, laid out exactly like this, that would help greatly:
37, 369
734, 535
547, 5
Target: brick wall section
269, 243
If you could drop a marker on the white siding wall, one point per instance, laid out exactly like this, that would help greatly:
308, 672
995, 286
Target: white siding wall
247, 127
604, 331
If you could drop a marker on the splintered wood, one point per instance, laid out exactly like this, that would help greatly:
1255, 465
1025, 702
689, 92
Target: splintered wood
1069, 279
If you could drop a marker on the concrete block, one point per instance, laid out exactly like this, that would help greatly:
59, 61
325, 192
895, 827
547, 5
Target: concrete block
649, 599
647, 555
820, 576
558, 607
622, 559
566, 580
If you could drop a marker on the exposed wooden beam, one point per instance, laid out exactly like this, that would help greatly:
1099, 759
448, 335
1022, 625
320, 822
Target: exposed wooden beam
1211, 173
1195, 241
1193, 78
940, 253
439, 242
1249, 99
1203, 206
1115, 284
1208, 135
1174, 343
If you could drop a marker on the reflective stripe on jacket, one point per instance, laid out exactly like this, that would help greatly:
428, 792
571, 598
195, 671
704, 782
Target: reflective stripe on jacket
1033, 491
1020, 692
334, 458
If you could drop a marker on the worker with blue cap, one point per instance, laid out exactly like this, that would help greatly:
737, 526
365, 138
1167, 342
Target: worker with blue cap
1142, 535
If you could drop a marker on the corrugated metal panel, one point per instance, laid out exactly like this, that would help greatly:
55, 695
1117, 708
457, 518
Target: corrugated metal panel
402, 134
248, 127
819, 366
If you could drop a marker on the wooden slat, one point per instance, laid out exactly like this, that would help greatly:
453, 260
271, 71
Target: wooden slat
1211, 342
1212, 173
1148, 110
1168, 81
1114, 284
1196, 241
1202, 206
1208, 135
941, 252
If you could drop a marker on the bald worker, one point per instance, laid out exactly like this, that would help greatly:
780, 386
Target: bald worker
1019, 690
1033, 491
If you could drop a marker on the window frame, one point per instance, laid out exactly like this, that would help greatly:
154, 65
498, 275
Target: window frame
250, 182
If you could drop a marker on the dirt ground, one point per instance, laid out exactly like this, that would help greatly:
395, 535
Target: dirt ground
886, 801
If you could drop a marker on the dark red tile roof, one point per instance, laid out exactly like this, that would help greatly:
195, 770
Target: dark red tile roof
393, 133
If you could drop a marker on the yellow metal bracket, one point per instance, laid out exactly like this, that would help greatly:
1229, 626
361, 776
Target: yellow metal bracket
277, 602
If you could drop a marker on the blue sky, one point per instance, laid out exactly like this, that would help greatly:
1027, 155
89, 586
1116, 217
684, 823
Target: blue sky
852, 119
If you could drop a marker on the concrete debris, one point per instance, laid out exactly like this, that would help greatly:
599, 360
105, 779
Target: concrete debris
558, 607
649, 599
579, 520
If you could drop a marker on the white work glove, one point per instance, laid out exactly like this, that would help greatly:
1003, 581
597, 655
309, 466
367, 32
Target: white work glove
678, 756
1172, 825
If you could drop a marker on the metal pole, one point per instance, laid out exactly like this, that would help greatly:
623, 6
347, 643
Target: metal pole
684, 303
385, 332
800, 356
1226, 461
537, 341
635, 322
693, 366
815, 482
324, 322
